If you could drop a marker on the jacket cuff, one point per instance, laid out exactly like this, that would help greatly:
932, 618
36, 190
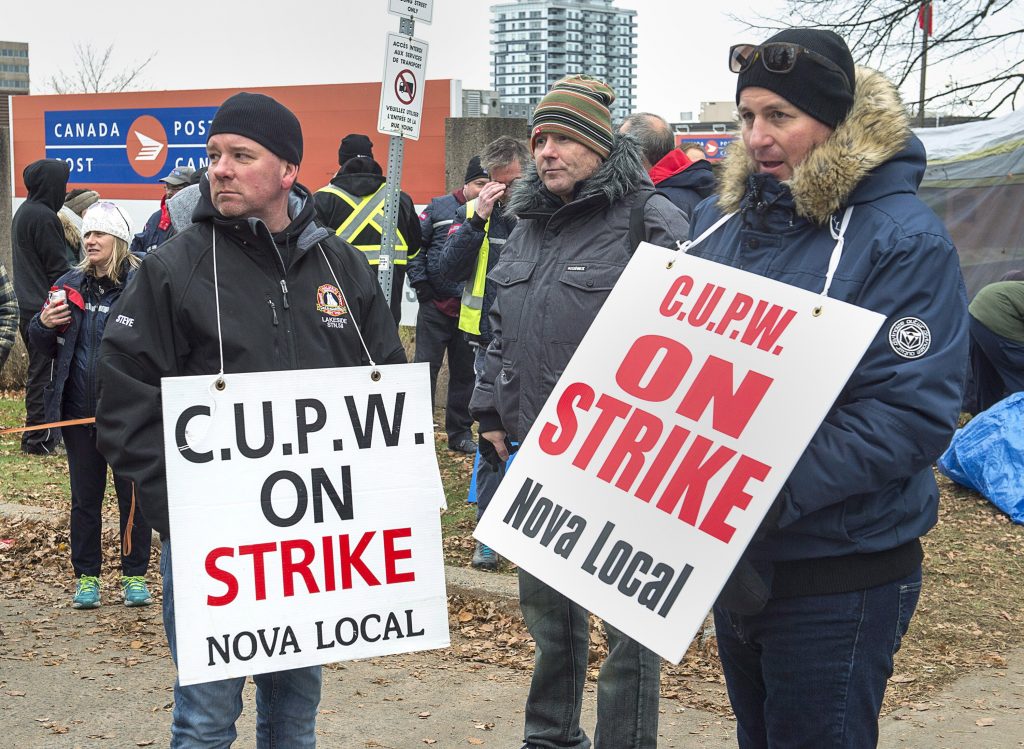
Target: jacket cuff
489, 421
477, 223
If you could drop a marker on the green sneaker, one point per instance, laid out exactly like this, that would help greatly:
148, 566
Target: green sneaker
87, 594
135, 591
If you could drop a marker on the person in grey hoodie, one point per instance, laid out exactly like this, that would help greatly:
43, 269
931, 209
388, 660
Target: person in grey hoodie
40, 258
571, 243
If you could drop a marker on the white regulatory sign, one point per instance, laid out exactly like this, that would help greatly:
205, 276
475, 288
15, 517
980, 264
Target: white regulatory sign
418, 10
401, 91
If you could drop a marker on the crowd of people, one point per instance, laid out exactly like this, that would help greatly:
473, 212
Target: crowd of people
820, 194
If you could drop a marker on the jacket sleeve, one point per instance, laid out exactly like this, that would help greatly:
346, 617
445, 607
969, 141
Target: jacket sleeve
410, 225
458, 256
42, 337
664, 222
140, 345
482, 404
896, 414
416, 271
8, 315
48, 242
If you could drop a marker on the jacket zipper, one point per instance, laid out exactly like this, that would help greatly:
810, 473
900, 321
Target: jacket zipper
273, 311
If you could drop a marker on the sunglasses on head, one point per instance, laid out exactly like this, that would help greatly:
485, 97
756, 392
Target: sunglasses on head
777, 57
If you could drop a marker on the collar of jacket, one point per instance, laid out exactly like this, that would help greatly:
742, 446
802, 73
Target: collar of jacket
876, 129
303, 232
359, 184
619, 175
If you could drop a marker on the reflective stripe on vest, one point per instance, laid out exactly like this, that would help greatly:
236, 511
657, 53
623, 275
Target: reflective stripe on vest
473, 295
367, 211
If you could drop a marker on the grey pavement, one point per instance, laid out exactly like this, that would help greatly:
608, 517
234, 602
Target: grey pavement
78, 679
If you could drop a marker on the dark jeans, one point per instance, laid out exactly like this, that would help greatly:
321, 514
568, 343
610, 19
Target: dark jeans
42, 441
810, 672
88, 472
204, 714
997, 368
627, 685
437, 333
487, 477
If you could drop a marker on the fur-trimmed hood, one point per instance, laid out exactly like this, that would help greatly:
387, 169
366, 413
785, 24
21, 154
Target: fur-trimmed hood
876, 130
618, 175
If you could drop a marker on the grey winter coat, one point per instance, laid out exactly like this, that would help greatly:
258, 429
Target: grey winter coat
554, 274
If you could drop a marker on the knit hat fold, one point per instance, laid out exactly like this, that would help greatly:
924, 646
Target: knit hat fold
264, 120
106, 217
810, 86
577, 107
353, 146
474, 170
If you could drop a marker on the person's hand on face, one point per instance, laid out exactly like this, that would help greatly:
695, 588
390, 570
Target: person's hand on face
490, 194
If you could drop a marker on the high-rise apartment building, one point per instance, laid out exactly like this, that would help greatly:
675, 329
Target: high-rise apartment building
13, 75
536, 42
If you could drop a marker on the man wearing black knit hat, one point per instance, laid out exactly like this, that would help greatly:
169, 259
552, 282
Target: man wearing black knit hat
251, 286
821, 196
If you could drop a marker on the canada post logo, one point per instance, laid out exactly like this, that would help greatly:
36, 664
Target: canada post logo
128, 146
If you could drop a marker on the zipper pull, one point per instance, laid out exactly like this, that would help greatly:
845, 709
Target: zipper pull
273, 310
284, 290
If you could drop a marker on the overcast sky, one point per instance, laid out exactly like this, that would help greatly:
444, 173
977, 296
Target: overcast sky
233, 43
219, 43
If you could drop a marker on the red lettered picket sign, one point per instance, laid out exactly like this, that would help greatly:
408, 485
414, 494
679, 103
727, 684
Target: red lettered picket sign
304, 519
667, 438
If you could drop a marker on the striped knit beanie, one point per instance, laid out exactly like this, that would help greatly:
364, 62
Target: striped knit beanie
577, 107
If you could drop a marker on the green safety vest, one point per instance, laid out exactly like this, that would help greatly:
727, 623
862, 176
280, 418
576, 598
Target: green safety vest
473, 294
367, 211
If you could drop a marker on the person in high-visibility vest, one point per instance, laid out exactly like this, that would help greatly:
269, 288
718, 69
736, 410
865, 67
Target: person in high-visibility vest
352, 206
437, 319
473, 247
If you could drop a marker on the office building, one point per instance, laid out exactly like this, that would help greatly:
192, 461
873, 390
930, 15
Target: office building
536, 42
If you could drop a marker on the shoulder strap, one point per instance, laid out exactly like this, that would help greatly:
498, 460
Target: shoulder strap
637, 224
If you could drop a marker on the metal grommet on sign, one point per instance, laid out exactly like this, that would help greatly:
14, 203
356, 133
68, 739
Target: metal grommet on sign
220, 384
817, 311
375, 375
669, 264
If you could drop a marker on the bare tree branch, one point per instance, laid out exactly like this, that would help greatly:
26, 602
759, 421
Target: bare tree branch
94, 72
884, 34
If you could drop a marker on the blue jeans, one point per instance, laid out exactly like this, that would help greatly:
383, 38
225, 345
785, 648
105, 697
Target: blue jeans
205, 714
811, 671
487, 477
627, 686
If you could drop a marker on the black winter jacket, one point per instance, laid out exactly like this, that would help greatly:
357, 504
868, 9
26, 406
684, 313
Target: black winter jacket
683, 182
275, 315
37, 235
437, 222
458, 258
75, 349
332, 210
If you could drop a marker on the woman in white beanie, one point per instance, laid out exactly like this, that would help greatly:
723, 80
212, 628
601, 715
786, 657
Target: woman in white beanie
69, 329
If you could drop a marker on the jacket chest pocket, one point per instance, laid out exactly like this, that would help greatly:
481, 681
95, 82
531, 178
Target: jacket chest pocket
577, 298
513, 288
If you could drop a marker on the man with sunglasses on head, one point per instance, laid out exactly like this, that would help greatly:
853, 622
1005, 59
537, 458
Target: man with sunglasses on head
828, 168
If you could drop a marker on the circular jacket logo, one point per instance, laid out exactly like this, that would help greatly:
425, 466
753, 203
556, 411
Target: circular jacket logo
330, 300
910, 337
146, 146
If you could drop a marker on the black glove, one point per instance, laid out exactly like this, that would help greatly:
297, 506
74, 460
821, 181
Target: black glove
490, 454
424, 292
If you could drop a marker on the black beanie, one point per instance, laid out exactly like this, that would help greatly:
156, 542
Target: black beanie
352, 146
810, 86
264, 120
474, 171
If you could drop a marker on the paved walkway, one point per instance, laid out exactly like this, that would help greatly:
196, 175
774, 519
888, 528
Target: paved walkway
102, 679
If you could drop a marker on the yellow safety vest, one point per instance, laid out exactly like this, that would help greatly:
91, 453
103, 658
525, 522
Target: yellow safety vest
473, 295
367, 211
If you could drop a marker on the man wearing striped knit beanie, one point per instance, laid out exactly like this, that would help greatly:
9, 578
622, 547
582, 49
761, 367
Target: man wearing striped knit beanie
574, 204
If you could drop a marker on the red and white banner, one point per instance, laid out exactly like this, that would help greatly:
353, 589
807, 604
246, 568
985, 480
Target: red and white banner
304, 512
668, 437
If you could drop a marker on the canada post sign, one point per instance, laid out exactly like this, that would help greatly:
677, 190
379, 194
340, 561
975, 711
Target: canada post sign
128, 146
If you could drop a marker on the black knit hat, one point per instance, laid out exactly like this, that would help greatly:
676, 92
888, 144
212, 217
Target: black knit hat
354, 145
264, 120
810, 86
475, 170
